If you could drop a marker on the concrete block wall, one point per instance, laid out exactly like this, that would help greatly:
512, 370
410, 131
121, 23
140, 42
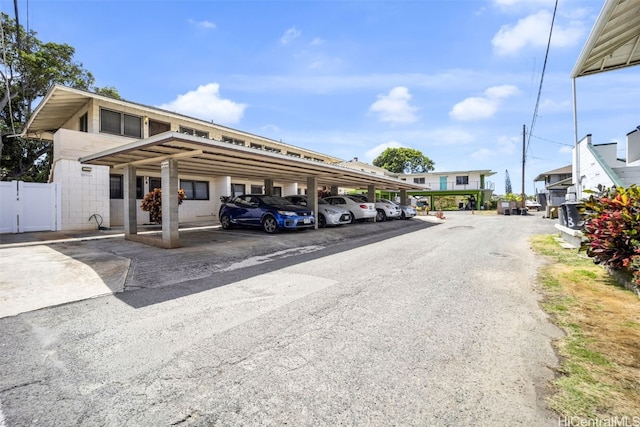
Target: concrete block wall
84, 193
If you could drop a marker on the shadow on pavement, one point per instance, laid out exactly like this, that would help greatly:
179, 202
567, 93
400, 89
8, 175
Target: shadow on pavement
325, 242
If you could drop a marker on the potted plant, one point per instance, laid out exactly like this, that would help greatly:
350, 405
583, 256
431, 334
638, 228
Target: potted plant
152, 203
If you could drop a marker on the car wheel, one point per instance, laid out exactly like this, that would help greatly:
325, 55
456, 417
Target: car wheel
322, 221
381, 216
269, 224
353, 217
225, 222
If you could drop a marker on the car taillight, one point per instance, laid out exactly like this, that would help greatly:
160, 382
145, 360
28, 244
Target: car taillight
364, 206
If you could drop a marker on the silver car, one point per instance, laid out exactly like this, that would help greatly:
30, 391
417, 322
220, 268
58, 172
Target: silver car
327, 214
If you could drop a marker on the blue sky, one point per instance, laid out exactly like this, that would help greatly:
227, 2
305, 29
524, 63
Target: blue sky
454, 79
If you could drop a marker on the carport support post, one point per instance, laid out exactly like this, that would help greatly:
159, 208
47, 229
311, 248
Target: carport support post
403, 197
334, 190
371, 196
130, 208
170, 233
312, 197
268, 186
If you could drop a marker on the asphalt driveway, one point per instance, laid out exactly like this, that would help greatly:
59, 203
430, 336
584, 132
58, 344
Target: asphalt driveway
412, 324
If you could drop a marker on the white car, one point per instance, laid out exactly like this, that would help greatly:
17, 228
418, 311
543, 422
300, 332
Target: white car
360, 211
327, 214
406, 211
386, 209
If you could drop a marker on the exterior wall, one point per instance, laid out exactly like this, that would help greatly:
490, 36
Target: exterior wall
633, 148
609, 153
435, 180
592, 172
175, 121
83, 194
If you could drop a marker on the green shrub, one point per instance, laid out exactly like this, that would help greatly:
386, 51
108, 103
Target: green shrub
612, 228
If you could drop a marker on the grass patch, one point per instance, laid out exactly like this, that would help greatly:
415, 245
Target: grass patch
599, 375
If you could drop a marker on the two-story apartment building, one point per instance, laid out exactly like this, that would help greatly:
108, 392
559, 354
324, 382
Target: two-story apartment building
102, 145
453, 189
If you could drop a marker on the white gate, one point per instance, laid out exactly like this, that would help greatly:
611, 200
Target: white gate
29, 206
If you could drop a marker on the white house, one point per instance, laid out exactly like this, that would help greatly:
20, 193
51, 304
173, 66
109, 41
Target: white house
600, 164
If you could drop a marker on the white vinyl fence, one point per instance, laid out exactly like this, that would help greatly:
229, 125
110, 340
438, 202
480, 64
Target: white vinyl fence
29, 206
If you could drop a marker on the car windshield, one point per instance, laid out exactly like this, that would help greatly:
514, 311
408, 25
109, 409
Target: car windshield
322, 202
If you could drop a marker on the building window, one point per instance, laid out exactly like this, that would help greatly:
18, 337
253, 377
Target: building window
120, 123
256, 189
462, 180
195, 190
418, 180
195, 132
232, 140
83, 126
237, 190
116, 187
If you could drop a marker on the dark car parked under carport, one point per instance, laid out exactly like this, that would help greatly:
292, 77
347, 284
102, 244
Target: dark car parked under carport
271, 213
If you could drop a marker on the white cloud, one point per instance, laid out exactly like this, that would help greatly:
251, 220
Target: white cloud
394, 107
203, 24
474, 109
205, 103
511, 39
478, 108
290, 35
533, 30
499, 92
371, 154
316, 42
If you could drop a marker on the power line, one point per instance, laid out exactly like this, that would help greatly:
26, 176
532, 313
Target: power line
549, 140
544, 66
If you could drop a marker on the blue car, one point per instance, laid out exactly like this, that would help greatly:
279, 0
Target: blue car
272, 213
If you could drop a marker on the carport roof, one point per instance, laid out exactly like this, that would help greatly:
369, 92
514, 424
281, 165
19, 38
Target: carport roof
206, 157
614, 41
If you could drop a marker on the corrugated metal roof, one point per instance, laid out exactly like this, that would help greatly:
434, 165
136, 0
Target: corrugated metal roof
614, 41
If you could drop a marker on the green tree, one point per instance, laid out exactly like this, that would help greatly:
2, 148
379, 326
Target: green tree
30, 68
404, 160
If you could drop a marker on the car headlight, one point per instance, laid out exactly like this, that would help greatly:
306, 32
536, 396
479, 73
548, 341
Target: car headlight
332, 212
287, 213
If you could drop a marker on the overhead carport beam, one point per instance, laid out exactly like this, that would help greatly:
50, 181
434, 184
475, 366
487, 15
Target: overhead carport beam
159, 160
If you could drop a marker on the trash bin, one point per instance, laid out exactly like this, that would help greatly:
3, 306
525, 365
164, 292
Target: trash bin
515, 211
571, 217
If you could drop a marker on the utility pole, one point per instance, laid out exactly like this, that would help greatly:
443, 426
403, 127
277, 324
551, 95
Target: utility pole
524, 200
